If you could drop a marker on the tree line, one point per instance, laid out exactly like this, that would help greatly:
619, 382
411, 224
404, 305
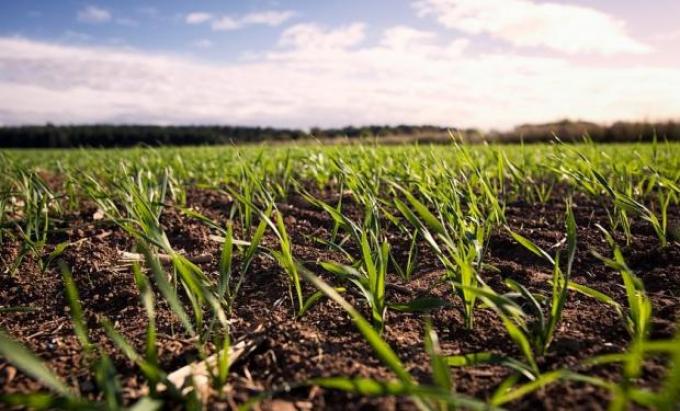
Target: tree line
52, 136
578, 130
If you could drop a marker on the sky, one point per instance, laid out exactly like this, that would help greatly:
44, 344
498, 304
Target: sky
489, 64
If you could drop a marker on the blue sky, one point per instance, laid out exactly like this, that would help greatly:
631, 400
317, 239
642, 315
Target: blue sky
161, 26
472, 63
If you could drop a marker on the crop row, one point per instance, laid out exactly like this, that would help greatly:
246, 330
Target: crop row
451, 199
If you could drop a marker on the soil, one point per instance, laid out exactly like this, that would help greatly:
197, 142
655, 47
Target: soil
325, 342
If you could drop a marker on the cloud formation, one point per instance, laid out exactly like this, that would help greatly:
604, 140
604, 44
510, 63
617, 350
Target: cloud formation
314, 36
198, 17
325, 76
565, 28
271, 18
268, 18
94, 14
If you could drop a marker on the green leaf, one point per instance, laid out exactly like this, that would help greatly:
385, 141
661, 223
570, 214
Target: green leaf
147, 299
571, 238
166, 289
497, 301
600, 178
407, 213
338, 218
58, 250
559, 299
225, 260
77, 316
340, 269
30, 364
363, 386
535, 305
190, 212
381, 348
669, 395
428, 218
194, 279
520, 338
371, 387
47, 401
367, 259
314, 298
223, 361
255, 240
33, 401
607, 359
441, 375
529, 245
150, 371
466, 360
107, 381
522, 390
598, 295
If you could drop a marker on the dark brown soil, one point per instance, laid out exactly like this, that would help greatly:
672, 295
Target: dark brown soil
325, 342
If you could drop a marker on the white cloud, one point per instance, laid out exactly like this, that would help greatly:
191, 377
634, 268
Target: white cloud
525, 23
94, 14
326, 77
314, 36
271, 18
226, 23
403, 37
198, 17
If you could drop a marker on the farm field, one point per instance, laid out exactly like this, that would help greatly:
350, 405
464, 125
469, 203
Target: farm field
364, 277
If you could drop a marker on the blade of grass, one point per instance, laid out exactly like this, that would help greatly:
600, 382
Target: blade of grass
29, 363
381, 348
